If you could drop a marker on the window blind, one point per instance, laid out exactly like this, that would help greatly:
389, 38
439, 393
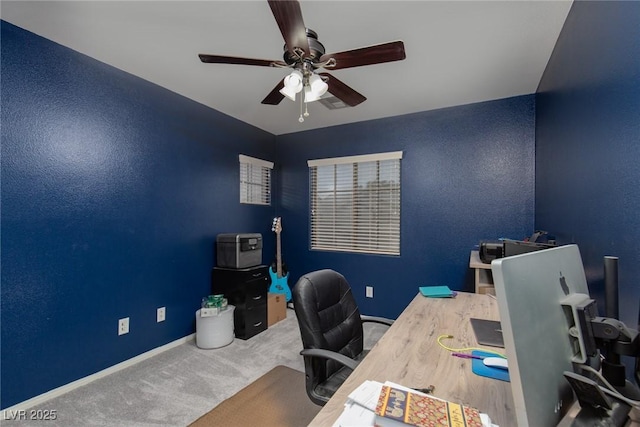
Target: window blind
355, 203
255, 180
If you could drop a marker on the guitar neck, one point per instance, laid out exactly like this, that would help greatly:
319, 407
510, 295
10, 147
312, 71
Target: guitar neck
278, 256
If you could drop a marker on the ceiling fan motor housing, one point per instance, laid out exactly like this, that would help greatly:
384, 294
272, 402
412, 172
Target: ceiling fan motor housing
316, 49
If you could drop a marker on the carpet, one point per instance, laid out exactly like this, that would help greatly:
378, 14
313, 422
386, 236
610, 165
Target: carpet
277, 399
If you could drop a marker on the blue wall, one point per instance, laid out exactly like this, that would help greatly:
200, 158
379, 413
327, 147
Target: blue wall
467, 176
113, 190
588, 143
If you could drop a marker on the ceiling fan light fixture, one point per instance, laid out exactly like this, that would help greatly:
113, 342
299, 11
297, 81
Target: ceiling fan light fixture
294, 81
292, 85
309, 96
289, 93
315, 89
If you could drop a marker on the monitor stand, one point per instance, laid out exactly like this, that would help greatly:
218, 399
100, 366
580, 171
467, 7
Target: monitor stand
589, 416
597, 409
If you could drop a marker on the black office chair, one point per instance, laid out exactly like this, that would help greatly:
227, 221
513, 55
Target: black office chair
331, 329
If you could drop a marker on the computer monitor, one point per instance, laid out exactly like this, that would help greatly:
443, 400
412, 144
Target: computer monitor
530, 288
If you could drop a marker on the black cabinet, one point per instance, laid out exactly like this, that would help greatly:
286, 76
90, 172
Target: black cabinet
246, 289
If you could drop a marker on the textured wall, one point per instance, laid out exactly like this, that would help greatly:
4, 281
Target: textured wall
467, 176
113, 190
588, 143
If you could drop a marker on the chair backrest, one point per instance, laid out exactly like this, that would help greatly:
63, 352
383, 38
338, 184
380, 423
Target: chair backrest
329, 319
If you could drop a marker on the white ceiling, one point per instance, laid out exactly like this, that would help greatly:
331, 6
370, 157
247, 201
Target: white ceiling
458, 52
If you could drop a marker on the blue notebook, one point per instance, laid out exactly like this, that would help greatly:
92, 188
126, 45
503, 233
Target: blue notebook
436, 291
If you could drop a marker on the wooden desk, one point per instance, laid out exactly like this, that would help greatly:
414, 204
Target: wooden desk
409, 354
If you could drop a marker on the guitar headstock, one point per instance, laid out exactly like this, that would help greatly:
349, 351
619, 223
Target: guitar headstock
276, 226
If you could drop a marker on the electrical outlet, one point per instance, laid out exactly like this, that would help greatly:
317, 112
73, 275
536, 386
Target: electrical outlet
123, 326
160, 314
369, 291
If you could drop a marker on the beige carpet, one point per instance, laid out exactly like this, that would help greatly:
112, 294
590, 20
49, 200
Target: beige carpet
277, 399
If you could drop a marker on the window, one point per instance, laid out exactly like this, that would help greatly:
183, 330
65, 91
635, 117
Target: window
355, 203
255, 181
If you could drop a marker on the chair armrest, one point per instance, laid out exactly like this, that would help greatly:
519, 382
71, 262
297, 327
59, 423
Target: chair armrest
375, 319
333, 355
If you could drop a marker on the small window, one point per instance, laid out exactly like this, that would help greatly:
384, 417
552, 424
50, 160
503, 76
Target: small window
355, 203
255, 181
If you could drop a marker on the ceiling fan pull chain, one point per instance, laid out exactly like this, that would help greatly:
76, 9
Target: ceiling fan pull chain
301, 119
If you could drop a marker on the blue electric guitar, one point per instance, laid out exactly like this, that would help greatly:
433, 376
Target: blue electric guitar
279, 283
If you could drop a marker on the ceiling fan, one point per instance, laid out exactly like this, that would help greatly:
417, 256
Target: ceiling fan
306, 55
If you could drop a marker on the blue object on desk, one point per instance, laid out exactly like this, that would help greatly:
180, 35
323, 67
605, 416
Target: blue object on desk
479, 368
436, 291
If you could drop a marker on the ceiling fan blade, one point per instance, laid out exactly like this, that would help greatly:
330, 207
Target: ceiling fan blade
289, 18
275, 96
343, 92
378, 54
220, 59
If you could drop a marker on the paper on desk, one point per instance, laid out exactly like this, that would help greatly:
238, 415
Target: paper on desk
355, 415
359, 410
367, 394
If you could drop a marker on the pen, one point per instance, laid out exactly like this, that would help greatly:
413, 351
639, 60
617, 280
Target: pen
467, 356
427, 390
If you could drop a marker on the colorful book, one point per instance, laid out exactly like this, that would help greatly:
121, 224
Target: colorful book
436, 291
398, 408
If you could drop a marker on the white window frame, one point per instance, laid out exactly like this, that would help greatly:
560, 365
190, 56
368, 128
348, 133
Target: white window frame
356, 217
255, 180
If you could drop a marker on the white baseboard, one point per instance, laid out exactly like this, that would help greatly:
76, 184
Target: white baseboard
22, 406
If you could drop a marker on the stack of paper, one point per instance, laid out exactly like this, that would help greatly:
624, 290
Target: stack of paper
359, 410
